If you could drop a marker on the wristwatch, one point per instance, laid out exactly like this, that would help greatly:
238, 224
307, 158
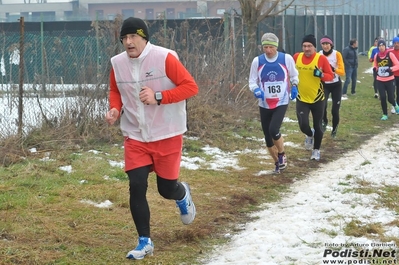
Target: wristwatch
158, 97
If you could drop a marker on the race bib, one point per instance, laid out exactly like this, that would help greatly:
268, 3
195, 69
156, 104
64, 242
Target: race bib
274, 89
383, 71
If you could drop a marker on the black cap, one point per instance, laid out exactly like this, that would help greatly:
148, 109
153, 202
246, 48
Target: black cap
133, 25
309, 38
381, 42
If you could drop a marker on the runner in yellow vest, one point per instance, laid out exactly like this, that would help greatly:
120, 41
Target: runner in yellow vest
313, 68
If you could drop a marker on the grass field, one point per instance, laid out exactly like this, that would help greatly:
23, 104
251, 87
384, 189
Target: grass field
44, 218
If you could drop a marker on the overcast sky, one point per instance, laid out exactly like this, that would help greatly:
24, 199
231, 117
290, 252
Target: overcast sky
33, 1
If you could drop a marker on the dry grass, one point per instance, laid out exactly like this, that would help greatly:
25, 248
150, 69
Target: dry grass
44, 222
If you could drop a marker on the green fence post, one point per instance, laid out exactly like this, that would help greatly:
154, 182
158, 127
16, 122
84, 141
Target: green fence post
226, 31
42, 53
164, 27
21, 75
97, 51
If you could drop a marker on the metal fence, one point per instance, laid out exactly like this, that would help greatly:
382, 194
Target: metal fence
45, 65
342, 28
71, 59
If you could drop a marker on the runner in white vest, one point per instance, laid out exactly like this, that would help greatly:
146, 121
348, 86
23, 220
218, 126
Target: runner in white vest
148, 91
333, 87
273, 79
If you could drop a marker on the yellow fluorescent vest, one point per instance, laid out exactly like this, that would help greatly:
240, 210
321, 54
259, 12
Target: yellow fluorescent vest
310, 88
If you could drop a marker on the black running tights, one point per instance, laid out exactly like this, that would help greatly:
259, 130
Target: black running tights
138, 184
336, 93
387, 91
302, 112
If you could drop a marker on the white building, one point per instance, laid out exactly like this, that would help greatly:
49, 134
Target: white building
52, 10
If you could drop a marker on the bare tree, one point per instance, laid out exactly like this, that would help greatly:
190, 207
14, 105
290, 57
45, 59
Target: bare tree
253, 12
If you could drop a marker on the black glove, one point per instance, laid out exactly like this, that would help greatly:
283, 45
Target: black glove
332, 68
389, 70
317, 72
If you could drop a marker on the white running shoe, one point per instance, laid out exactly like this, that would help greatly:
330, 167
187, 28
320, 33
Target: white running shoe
277, 168
282, 161
393, 110
186, 206
309, 141
315, 155
144, 248
334, 132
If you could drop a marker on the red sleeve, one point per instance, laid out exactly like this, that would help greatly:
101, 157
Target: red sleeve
115, 99
395, 62
324, 64
185, 84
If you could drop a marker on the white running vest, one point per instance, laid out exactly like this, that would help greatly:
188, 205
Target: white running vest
147, 123
332, 59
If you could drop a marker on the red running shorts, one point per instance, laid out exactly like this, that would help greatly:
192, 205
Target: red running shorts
164, 156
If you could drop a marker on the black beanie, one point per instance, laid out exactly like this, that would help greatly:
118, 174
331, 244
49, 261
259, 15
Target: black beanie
309, 38
133, 25
381, 42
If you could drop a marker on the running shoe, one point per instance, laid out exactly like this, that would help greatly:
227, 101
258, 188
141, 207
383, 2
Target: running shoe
315, 155
376, 95
186, 206
144, 248
334, 133
323, 126
393, 110
396, 109
277, 167
309, 141
282, 161
384, 117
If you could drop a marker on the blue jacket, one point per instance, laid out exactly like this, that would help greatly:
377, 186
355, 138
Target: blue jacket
349, 54
373, 53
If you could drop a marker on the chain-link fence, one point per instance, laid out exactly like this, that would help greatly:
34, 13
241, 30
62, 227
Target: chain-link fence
64, 70
63, 73
291, 30
53, 68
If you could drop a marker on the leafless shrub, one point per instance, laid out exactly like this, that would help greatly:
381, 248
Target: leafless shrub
80, 65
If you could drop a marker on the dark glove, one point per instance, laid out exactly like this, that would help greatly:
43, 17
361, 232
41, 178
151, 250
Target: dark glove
294, 92
258, 93
317, 72
389, 70
332, 68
